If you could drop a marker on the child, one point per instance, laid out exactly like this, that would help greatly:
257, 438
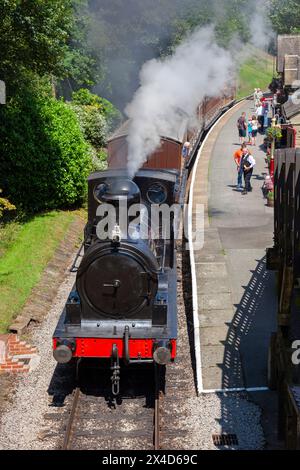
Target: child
254, 129
250, 131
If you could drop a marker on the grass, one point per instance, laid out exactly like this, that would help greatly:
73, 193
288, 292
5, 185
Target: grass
25, 250
255, 72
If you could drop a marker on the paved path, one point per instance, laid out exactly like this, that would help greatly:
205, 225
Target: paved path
236, 300
236, 296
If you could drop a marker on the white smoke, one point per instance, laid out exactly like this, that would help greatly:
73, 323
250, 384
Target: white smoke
260, 25
171, 87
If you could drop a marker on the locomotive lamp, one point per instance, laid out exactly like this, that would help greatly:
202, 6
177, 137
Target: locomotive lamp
64, 351
162, 353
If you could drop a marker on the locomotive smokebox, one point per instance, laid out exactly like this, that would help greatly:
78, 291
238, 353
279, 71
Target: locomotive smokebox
117, 190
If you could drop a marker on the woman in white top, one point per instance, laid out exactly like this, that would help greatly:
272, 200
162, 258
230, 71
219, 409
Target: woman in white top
254, 129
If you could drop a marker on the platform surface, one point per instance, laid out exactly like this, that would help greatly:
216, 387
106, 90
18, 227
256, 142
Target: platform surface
236, 295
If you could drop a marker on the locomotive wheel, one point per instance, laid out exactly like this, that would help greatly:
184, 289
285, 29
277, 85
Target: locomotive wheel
272, 363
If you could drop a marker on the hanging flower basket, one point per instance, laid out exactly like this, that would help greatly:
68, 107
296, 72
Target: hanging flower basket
274, 133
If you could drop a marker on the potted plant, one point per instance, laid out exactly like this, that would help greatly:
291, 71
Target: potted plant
274, 133
270, 199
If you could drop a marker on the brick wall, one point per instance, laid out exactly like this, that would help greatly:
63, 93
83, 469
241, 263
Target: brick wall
15, 355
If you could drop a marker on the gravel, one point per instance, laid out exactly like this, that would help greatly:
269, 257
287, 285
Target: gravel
218, 413
23, 421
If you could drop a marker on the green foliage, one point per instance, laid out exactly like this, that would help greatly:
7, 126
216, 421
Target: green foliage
5, 205
96, 116
81, 63
85, 98
285, 16
33, 35
193, 18
274, 133
256, 71
92, 123
25, 250
45, 157
99, 160
112, 115
44, 37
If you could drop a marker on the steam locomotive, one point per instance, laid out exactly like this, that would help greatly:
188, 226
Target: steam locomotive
123, 306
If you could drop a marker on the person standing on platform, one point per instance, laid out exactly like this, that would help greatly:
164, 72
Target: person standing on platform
247, 163
254, 129
237, 156
260, 116
186, 150
255, 98
260, 95
250, 130
266, 114
242, 127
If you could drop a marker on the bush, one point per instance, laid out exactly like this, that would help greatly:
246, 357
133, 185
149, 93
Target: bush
44, 157
84, 97
93, 125
99, 160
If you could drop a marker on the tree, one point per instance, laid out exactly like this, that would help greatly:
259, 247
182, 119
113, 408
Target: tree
81, 65
285, 16
44, 37
33, 36
97, 117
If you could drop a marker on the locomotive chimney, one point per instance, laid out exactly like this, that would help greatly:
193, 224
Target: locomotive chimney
121, 193
117, 190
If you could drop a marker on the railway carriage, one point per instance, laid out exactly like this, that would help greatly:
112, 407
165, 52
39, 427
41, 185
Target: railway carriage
284, 256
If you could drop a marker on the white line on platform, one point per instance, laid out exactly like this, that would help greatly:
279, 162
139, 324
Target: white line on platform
232, 390
197, 343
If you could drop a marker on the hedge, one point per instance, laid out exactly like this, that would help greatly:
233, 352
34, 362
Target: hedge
44, 158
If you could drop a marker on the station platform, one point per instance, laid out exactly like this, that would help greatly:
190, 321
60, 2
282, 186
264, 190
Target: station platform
233, 294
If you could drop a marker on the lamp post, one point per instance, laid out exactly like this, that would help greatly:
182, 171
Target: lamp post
273, 125
2, 92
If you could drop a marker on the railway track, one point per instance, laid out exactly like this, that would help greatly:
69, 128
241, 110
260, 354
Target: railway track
130, 424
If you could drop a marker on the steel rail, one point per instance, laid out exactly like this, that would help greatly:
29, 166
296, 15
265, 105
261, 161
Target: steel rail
68, 432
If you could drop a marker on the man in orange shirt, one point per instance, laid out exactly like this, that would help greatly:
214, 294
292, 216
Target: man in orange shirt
237, 158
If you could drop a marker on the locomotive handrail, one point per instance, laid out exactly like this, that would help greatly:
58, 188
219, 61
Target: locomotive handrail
74, 268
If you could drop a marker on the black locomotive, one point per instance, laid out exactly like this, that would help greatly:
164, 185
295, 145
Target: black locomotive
123, 305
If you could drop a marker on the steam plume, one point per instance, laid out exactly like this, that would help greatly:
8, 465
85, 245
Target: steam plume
171, 86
